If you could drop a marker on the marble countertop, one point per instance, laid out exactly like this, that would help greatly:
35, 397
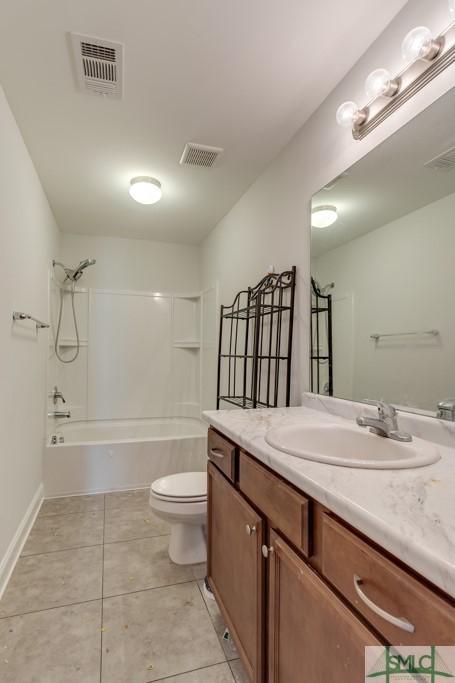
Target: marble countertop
410, 513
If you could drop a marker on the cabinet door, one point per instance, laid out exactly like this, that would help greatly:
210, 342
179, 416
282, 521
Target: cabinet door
313, 636
236, 568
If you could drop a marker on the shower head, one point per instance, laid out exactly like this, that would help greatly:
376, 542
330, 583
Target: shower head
76, 273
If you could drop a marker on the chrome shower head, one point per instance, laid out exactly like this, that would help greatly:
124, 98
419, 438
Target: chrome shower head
75, 274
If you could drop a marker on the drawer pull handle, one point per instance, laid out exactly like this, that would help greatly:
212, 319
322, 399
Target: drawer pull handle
250, 530
266, 551
216, 453
404, 624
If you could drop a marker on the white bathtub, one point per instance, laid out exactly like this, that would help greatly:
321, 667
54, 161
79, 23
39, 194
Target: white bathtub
111, 455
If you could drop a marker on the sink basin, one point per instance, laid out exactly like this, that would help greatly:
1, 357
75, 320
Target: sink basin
350, 446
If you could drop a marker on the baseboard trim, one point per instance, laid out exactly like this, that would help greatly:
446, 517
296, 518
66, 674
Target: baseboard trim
17, 543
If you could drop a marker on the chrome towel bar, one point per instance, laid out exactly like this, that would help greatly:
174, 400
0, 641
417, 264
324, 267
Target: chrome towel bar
17, 315
433, 333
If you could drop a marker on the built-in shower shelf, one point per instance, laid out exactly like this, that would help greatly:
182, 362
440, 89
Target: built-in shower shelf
187, 344
71, 343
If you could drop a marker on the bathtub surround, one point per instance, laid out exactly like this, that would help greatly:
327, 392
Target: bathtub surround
28, 240
271, 225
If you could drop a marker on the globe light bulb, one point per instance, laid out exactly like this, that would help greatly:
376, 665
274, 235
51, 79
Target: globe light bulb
380, 82
419, 44
348, 115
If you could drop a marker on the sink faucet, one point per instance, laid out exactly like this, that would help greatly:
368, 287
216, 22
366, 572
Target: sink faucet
59, 413
386, 424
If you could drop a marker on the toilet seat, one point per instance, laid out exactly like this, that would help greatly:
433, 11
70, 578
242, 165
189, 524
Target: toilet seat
184, 487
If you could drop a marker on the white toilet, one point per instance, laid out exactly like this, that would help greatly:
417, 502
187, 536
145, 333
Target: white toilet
181, 500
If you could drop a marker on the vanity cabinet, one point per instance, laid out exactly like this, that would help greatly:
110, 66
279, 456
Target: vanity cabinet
301, 592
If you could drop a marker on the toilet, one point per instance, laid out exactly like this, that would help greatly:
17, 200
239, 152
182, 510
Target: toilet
181, 500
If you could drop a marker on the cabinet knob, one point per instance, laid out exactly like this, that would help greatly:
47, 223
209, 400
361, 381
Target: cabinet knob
266, 551
250, 530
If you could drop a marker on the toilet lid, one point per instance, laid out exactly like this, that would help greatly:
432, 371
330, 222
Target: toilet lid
185, 485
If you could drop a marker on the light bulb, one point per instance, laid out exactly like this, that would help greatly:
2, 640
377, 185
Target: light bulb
380, 82
452, 8
323, 216
419, 44
348, 115
145, 190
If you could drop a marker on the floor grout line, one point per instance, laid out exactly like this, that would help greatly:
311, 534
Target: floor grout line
152, 588
188, 671
136, 538
48, 609
60, 550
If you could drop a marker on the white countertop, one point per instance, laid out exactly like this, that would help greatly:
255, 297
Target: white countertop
410, 513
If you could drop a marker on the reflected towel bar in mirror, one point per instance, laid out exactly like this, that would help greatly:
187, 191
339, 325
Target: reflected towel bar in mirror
26, 316
419, 333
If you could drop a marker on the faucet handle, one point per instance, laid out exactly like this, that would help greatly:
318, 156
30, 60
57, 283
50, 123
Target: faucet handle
384, 409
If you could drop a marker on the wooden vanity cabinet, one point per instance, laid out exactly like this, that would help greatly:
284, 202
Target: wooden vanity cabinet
283, 570
236, 569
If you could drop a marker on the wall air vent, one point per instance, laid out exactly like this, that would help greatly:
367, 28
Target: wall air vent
444, 161
99, 65
199, 155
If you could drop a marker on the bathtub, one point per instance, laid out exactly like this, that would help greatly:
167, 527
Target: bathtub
111, 455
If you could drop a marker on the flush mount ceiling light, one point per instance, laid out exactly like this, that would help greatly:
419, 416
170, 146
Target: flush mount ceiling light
426, 57
145, 190
323, 216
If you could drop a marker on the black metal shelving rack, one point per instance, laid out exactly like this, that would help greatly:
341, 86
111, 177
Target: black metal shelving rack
321, 305
255, 344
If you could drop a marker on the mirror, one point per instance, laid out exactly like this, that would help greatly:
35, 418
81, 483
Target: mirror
383, 273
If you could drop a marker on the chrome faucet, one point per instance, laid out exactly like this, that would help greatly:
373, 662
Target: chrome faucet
56, 395
386, 424
59, 413
446, 410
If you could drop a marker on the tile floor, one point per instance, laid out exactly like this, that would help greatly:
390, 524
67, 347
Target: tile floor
94, 598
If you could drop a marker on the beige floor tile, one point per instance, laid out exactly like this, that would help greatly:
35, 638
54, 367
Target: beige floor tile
238, 671
55, 646
120, 499
71, 505
213, 674
133, 520
144, 563
60, 578
60, 532
157, 633
228, 646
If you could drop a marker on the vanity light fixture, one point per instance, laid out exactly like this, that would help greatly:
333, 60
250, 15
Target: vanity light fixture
323, 216
425, 56
145, 190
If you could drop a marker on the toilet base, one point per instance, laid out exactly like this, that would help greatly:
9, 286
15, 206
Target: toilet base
188, 544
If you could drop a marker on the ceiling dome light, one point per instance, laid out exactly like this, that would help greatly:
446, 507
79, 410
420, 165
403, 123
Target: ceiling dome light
145, 190
323, 216
419, 44
348, 115
380, 82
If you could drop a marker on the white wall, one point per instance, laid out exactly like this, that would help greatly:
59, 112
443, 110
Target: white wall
270, 223
400, 278
28, 241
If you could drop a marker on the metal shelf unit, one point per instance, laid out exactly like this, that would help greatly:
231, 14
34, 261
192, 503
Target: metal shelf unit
255, 344
321, 341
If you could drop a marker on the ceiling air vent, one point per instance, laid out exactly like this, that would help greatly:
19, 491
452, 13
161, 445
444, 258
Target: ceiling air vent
199, 155
99, 65
444, 161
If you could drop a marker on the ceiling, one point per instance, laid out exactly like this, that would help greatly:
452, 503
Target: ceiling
239, 74
392, 180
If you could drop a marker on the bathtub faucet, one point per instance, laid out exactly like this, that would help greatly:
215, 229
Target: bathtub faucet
59, 413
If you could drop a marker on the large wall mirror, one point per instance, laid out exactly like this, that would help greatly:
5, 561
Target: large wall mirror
383, 270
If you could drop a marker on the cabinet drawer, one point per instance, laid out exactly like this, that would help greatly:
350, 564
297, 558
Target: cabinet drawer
286, 510
223, 453
404, 610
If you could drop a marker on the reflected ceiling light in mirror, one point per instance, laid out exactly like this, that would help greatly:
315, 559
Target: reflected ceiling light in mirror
348, 115
323, 216
452, 8
419, 44
145, 190
380, 82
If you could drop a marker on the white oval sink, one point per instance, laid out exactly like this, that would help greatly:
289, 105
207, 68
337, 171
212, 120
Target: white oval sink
350, 446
